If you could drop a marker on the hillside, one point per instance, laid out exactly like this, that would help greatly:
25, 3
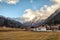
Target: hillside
54, 18
9, 22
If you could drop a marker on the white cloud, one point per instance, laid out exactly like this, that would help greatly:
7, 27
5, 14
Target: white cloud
28, 15
31, 1
12, 1
56, 1
41, 14
0, 0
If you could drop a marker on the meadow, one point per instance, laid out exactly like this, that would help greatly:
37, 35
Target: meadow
18, 34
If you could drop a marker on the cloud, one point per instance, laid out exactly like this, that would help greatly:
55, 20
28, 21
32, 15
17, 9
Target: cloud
56, 1
43, 13
12, 1
28, 15
0, 0
31, 1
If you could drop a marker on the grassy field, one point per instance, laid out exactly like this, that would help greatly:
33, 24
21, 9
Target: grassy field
17, 34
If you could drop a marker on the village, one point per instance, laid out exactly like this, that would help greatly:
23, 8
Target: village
46, 28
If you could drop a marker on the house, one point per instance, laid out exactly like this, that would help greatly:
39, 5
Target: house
55, 27
40, 28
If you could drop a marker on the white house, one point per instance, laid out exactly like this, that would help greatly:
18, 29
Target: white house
41, 28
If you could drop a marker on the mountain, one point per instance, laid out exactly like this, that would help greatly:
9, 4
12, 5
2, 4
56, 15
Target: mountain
9, 22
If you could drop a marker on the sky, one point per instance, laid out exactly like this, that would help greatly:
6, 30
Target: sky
16, 8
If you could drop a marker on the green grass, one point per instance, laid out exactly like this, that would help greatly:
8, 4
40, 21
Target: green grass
28, 35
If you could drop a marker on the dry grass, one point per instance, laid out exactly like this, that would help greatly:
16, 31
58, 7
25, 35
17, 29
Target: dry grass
27, 35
